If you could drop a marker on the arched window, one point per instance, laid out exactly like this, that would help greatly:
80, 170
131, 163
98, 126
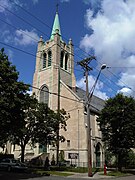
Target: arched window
66, 61
44, 95
98, 155
44, 60
61, 59
49, 58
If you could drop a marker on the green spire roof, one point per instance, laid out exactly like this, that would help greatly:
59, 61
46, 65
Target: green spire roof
56, 26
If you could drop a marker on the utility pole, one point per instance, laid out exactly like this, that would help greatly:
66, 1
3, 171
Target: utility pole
57, 132
85, 65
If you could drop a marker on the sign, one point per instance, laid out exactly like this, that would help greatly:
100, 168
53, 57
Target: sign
73, 155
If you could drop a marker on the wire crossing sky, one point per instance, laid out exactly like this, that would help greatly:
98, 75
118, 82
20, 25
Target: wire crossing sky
104, 28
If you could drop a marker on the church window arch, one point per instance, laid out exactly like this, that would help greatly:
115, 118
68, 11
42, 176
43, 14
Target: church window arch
98, 154
66, 62
49, 58
44, 95
44, 60
61, 59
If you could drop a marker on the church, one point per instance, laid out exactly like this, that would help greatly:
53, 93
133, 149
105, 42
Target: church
54, 76
55, 84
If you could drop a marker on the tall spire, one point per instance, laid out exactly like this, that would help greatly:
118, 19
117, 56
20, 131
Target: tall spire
56, 25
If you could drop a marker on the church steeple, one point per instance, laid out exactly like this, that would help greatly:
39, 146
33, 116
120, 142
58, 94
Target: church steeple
56, 26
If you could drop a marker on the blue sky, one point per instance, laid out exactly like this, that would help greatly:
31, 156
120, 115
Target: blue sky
103, 27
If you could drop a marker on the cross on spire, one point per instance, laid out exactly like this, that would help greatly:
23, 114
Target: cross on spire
57, 6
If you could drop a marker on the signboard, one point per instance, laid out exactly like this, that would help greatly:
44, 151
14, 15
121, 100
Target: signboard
73, 155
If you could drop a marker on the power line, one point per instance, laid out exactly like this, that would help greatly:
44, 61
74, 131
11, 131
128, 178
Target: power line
42, 22
35, 56
65, 97
29, 24
17, 29
26, 53
121, 81
56, 94
32, 55
34, 26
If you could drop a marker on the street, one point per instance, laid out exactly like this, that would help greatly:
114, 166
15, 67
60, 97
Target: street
63, 178
21, 176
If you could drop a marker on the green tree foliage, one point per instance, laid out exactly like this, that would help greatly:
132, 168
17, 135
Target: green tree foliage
46, 124
37, 125
130, 159
22, 118
11, 91
117, 123
27, 123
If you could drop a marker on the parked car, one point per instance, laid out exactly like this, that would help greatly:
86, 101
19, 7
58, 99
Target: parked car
12, 165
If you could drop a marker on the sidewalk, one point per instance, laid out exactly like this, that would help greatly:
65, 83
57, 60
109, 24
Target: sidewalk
95, 176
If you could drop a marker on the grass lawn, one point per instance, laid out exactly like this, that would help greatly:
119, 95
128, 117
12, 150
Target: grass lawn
66, 171
57, 173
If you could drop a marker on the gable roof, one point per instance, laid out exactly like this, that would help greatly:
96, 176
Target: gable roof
96, 104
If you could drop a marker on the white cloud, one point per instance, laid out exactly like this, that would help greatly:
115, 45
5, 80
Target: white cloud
113, 37
10, 5
20, 37
87, 1
91, 80
93, 3
6, 4
29, 92
25, 37
126, 91
10, 55
64, 1
7, 37
35, 1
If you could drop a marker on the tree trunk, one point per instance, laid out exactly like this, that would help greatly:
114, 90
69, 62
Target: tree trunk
22, 152
57, 147
119, 163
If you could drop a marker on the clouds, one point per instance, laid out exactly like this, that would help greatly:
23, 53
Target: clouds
20, 37
35, 1
113, 36
6, 4
25, 37
95, 5
64, 1
97, 91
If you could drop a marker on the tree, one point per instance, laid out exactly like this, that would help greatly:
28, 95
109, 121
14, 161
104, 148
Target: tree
26, 130
37, 124
22, 118
117, 123
11, 91
47, 123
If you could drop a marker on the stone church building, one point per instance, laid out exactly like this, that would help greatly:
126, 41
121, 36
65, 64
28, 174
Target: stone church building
54, 73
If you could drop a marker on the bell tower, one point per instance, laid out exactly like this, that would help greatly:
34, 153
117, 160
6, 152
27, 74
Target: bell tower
54, 57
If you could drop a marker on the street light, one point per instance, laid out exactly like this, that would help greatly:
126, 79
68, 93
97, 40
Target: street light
103, 66
89, 97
